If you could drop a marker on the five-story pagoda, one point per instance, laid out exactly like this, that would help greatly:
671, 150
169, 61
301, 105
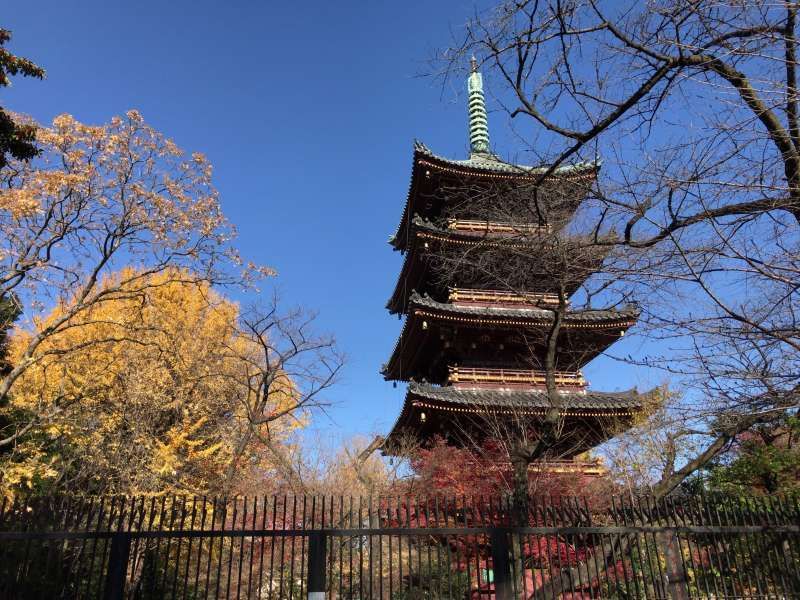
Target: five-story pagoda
485, 286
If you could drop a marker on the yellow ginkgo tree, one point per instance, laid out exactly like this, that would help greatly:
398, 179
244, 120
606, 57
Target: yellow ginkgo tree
168, 388
127, 371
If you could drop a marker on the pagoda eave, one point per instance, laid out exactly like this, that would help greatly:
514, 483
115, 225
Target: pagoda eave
437, 335
414, 274
428, 170
463, 415
579, 319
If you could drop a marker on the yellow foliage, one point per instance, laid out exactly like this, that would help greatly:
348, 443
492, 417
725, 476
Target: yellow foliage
146, 390
18, 203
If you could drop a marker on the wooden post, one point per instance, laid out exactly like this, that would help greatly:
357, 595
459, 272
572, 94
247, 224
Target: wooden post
316, 566
501, 565
677, 585
117, 566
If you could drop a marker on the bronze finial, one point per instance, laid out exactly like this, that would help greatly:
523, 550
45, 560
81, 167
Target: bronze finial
478, 123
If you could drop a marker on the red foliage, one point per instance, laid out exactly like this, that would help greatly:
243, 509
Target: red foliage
448, 471
458, 487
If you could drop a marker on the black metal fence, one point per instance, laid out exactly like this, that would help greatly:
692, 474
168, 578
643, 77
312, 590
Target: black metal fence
399, 548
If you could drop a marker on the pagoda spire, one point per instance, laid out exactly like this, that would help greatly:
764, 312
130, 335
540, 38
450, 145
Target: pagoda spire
478, 122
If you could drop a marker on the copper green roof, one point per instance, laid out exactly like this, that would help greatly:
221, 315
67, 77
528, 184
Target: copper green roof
491, 163
476, 107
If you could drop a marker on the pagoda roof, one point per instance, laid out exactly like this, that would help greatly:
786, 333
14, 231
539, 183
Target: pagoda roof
480, 166
485, 163
574, 401
577, 318
430, 410
414, 273
421, 225
587, 333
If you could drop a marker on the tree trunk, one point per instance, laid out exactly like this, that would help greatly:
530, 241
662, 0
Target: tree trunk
520, 499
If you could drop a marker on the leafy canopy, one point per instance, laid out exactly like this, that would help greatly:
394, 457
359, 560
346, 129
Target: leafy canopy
16, 139
146, 390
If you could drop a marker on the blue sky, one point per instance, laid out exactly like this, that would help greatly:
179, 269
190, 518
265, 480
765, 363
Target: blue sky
308, 112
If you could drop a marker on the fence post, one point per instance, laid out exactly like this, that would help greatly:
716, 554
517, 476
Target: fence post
316, 565
501, 564
677, 585
117, 566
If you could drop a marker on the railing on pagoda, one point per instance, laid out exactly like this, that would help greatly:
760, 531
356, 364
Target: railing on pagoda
594, 467
474, 377
501, 298
502, 227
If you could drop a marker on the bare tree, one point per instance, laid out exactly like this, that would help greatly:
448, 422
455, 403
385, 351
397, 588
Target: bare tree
693, 107
694, 110
96, 233
100, 198
284, 370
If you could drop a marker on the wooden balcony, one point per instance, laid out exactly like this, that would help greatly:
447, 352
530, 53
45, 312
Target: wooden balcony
475, 377
583, 467
468, 226
501, 298
594, 467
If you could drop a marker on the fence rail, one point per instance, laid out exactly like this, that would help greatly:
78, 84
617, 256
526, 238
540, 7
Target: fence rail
399, 548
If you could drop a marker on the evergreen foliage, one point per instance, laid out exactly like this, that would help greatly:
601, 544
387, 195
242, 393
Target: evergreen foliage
765, 460
16, 139
9, 313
